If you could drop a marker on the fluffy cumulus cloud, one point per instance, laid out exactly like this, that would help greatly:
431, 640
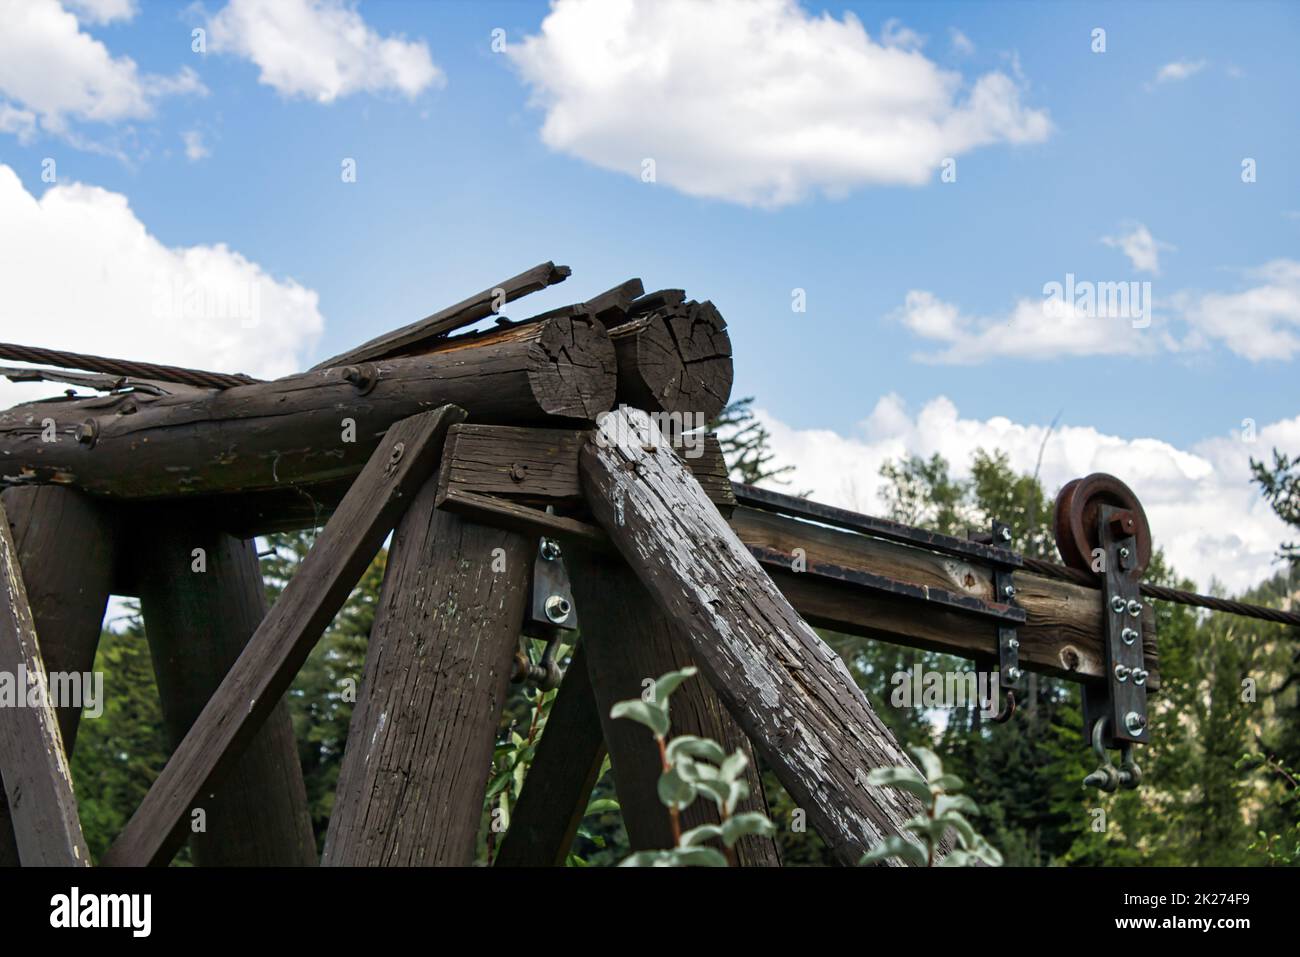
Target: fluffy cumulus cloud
1141, 248
757, 101
53, 72
1179, 70
1201, 505
320, 49
81, 272
1260, 323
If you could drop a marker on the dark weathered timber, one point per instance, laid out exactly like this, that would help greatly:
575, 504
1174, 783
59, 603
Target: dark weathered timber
197, 623
437, 673
37, 779
790, 693
675, 360
1061, 634
397, 469
464, 313
558, 787
317, 427
65, 549
610, 307
629, 641
540, 466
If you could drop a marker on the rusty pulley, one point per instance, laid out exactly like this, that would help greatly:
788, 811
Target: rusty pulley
1076, 519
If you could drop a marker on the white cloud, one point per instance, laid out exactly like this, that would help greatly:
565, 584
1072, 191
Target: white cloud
1031, 330
54, 71
80, 272
1178, 71
894, 34
1141, 248
103, 11
320, 49
1203, 510
960, 42
195, 148
1258, 323
22, 123
755, 101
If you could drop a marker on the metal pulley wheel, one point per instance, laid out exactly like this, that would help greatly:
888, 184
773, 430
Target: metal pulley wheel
1078, 510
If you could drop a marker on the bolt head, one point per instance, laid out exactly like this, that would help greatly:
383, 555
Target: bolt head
1121, 672
1140, 676
1135, 723
1134, 608
558, 608
1014, 673
1009, 591
1005, 534
550, 549
1117, 604
1013, 643
1128, 636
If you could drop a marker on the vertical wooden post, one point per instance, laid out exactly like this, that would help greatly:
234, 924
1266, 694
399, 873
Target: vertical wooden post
437, 672
630, 640
38, 782
65, 548
202, 596
564, 770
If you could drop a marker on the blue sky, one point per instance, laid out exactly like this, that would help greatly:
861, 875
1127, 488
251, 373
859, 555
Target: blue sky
456, 188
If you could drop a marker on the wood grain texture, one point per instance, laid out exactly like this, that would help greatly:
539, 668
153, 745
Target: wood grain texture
629, 640
467, 311
558, 786
197, 624
675, 359
37, 779
396, 471
1061, 635
790, 693
437, 672
303, 430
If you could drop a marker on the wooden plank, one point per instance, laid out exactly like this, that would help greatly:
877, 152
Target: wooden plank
1061, 635
464, 313
790, 693
317, 427
398, 468
197, 623
37, 780
559, 782
629, 640
419, 750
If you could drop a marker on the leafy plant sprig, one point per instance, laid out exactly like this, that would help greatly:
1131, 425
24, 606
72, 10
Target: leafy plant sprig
942, 810
692, 766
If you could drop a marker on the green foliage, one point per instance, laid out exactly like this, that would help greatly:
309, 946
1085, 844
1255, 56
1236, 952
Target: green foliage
745, 444
942, 810
692, 767
1280, 486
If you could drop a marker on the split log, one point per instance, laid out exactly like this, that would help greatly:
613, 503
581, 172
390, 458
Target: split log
437, 674
197, 623
790, 693
558, 786
317, 427
396, 471
676, 359
411, 338
65, 550
629, 640
37, 779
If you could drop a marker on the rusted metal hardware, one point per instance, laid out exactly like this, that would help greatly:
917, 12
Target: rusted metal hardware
768, 500
1010, 675
551, 617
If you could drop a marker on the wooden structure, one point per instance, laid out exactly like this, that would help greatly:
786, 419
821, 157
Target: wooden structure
581, 426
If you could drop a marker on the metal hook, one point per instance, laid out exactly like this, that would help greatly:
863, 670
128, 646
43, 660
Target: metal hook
1008, 708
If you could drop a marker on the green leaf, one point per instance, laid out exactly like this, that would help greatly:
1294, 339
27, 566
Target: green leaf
701, 834
740, 825
908, 779
696, 747
699, 857
948, 783
734, 766
956, 858
954, 802
931, 766
653, 716
674, 791
895, 846
649, 859
600, 806
737, 791
666, 685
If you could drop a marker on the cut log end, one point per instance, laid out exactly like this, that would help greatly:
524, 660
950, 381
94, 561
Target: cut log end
574, 368
675, 360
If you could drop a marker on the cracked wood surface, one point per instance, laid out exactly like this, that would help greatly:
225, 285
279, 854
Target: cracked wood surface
790, 693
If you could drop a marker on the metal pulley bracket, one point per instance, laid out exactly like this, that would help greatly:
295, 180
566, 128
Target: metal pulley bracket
1123, 705
551, 616
1010, 675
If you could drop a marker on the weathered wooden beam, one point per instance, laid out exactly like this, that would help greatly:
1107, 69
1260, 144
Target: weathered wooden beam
1061, 634
202, 596
479, 306
676, 359
790, 693
558, 786
630, 641
397, 469
609, 307
317, 427
65, 550
37, 780
410, 790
